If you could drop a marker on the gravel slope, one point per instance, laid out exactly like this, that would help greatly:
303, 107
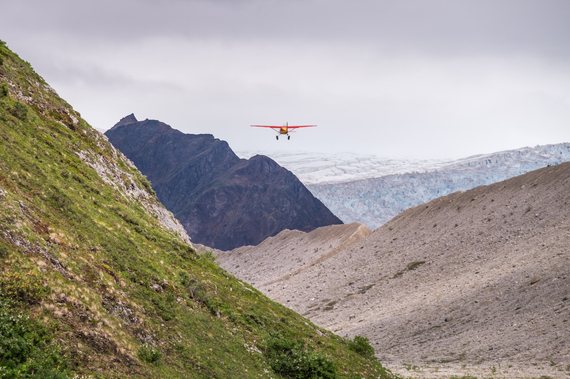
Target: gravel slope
467, 284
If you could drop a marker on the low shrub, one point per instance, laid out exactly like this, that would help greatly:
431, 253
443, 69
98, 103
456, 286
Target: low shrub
166, 306
196, 288
27, 347
253, 318
361, 345
147, 185
59, 200
149, 354
292, 360
4, 249
209, 255
4, 89
27, 288
19, 110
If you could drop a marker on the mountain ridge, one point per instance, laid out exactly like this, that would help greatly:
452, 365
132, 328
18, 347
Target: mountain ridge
221, 200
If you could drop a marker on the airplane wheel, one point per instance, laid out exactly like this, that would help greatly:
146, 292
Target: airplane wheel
277, 137
288, 137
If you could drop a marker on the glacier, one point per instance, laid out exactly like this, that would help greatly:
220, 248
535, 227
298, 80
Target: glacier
372, 190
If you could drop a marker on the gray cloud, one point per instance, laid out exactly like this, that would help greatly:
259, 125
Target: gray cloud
537, 27
408, 78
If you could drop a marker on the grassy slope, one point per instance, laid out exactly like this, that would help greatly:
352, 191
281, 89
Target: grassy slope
92, 284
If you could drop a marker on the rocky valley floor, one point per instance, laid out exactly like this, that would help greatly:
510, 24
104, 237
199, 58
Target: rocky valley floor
475, 283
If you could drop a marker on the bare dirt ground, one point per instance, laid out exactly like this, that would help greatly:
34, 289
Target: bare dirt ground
289, 253
474, 284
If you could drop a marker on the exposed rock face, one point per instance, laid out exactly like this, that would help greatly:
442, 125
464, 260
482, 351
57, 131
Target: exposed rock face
222, 201
123, 181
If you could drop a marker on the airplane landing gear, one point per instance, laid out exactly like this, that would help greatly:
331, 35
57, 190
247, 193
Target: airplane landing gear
288, 137
277, 138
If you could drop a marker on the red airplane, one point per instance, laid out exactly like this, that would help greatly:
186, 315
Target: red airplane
283, 129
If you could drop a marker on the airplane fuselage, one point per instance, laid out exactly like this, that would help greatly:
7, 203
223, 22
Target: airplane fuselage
284, 130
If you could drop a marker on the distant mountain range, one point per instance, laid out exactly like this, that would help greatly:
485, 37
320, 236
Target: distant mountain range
221, 200
373, 190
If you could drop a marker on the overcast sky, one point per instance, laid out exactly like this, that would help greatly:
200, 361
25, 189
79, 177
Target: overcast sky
406, 79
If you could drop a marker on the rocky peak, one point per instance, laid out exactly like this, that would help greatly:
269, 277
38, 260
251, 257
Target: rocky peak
126, 120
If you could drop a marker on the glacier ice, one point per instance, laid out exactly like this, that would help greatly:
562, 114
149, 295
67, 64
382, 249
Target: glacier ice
372, 190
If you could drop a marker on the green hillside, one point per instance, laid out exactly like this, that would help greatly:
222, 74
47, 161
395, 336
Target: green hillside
93, 284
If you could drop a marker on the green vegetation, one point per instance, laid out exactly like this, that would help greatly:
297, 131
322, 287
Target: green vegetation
19, 110
3, 90
361, 345
414, 265
93, 285
27, 346
26, 288
411, 267
149, 354
291, 359
208, 254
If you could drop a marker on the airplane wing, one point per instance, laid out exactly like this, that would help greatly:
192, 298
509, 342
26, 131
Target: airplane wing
282, 126
266, 126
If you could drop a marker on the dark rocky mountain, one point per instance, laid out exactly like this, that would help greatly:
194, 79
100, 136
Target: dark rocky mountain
222, 201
